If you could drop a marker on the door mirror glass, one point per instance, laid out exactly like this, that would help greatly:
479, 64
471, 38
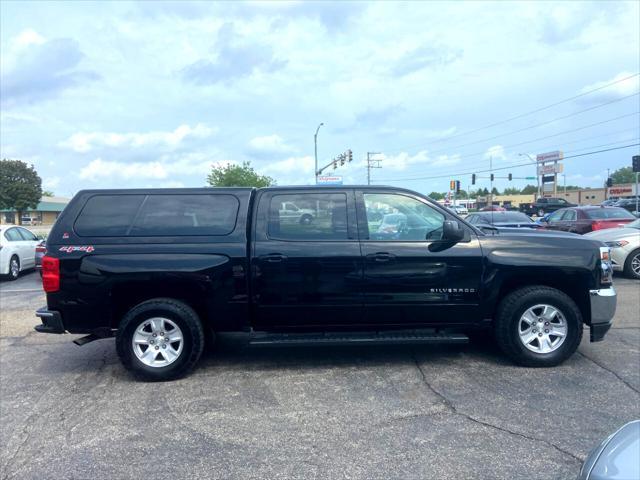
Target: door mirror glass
451, 231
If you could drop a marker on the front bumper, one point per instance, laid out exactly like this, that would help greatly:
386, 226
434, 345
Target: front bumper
603, 308
51, 321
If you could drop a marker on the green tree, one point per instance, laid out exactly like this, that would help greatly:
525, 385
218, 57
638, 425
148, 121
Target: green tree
233, 175
20, 186
623, 175
436, 196
529, 190
483, 191
512, 191
47, 193
462, 194
495, 191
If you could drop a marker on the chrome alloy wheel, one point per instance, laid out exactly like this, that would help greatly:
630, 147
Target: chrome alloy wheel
14, 268
635, 264
157, 342
542, 328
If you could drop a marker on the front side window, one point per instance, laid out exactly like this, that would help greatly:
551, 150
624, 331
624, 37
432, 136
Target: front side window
556, 216
308, 216
395, 217
569, 216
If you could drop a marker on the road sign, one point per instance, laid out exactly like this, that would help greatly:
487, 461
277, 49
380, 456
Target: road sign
550, 156
548, 179
329, 180
550, 168
529, 178
636, 163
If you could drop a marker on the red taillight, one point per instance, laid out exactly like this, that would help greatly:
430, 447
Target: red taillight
40, 249
597, 226
50, 274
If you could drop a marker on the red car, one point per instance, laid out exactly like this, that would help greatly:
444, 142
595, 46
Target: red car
587, 219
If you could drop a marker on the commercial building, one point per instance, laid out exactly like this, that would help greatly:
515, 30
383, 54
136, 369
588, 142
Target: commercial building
45, 213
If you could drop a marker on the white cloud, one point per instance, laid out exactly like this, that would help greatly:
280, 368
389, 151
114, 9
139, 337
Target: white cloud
270, 144
50, 183
404, 160
164, 168
84, 142
496, 152
625, 86
28, 37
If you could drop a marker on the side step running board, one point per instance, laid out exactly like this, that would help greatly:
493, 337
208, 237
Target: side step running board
401, 337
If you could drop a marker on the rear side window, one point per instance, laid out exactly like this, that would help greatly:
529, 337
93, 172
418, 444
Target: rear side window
308, 216
157, 215
606, 213
13, 235
27, 235
175, 215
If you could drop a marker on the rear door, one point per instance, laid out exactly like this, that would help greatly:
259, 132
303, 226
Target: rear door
29, 242
307, 272
411, 276
554, 222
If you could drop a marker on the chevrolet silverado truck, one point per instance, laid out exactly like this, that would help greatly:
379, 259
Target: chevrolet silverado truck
544, 205
161, 270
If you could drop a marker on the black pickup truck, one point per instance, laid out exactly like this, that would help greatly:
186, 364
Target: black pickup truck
161, 270
544, 205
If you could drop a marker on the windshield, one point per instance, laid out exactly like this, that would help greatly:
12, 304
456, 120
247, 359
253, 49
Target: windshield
609, 213
510, 217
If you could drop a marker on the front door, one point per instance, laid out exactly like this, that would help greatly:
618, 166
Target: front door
306, 262
411, 276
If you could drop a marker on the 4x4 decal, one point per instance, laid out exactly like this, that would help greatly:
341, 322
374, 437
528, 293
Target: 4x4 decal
81, 248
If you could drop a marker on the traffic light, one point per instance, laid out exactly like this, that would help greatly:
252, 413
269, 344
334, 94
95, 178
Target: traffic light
609, 182
492, 177
473, 179
342, 158
335, 164
457, 186
452, 185
350, 155
510, 177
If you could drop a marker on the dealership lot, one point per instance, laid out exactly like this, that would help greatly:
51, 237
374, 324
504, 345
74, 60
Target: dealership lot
391, 412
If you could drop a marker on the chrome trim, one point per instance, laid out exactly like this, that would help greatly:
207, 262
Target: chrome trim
44, 314
603, 305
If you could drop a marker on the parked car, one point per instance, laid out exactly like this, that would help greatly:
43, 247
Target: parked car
291, 213
587, 219
493, 208
502, 220
624, 243
628, 204
113, 267
41, 249
609, 203
459, 209
17, 250
544, 205
617, 457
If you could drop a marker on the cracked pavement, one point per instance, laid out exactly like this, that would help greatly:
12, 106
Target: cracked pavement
449, 412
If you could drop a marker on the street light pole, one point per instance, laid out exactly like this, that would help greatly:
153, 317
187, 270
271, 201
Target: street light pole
315, 148
537, 176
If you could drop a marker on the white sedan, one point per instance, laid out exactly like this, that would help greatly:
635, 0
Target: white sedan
17, 250
624, 243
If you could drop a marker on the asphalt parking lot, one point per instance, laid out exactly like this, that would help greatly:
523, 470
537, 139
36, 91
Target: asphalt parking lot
394, 412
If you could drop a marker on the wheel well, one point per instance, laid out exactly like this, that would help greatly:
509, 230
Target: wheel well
127, 295
572, 285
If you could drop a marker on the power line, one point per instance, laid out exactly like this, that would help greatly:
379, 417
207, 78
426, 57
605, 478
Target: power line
459, 174
522, 115
530, 127
584, 127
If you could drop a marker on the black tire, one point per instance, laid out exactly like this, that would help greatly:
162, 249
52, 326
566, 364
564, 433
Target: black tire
178, 312
13, 274
306, 219
507, 321
628, 269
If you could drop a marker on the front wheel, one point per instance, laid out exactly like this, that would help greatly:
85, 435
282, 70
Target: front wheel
14, 268
632, 264
306, 220
538, 326
160, 339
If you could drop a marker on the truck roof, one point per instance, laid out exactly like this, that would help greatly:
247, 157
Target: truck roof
236, 189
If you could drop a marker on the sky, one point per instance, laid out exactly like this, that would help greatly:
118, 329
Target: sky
153, 94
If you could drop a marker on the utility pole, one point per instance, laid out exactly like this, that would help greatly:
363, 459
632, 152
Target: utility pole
491, 177
372, 163
537, 174
564, 178
315, 149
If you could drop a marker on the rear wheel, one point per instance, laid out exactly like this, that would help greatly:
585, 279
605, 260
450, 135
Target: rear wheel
538, 326
306, 219
632, 264
160, 339
14, 268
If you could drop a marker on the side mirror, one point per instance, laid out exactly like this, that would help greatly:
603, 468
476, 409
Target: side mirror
451, 231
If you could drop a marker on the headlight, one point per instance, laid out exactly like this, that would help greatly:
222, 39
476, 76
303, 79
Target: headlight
619, 244
606, 269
